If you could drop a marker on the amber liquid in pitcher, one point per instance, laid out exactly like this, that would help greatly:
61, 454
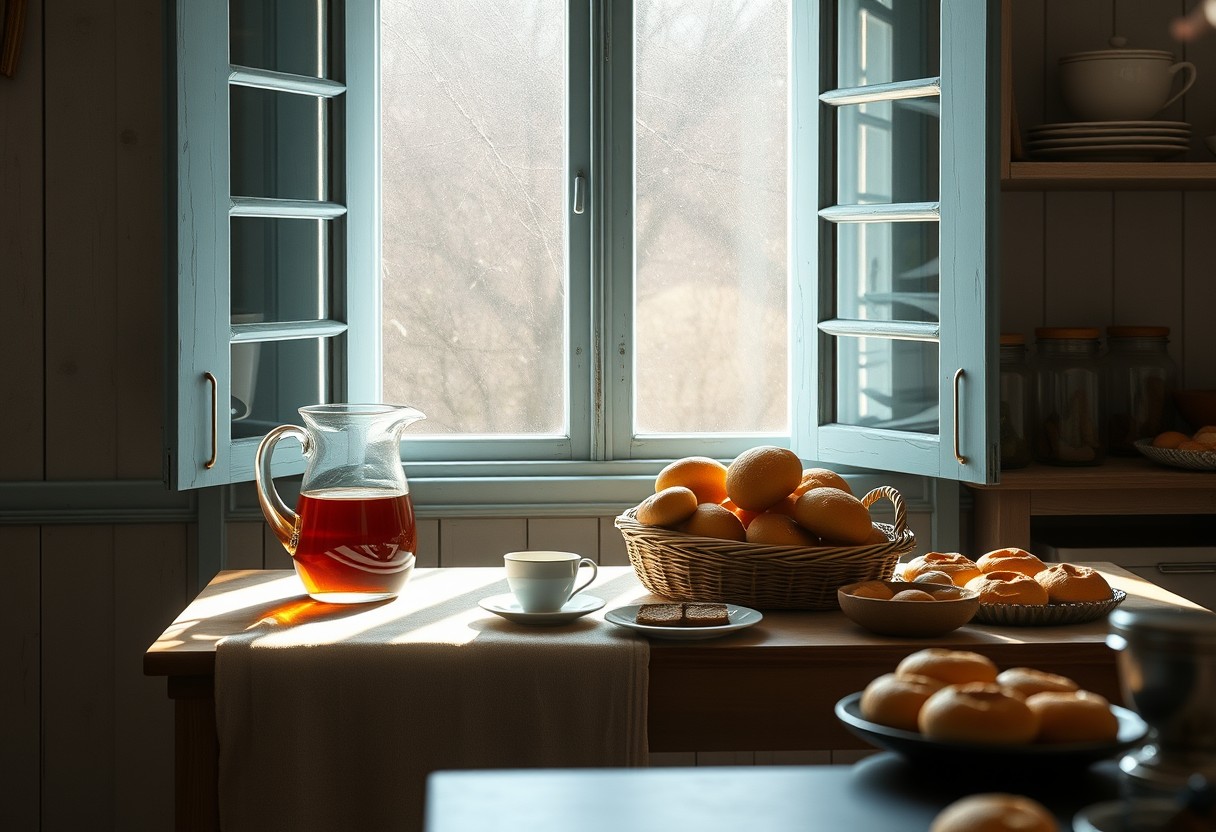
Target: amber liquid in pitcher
355, 540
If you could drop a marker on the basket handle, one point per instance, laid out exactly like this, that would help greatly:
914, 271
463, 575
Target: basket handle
901, 512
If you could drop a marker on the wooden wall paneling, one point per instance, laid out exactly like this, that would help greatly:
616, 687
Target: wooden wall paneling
1075, 26
1078, 250
20, 656
1198, 110
612, 544
139, 214
1148, 261
427, 554
149, 591
470, 541
78, 686
81, 188
565, 534
1199, 291
1021, 262
244, 545
921, 524
1027, 61
21, 253
1146, 26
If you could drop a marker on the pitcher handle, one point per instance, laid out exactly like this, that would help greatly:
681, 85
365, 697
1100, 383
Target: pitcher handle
284, 521
1181, 66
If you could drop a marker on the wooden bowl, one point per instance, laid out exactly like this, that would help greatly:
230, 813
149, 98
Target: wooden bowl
1197, 407
914, 619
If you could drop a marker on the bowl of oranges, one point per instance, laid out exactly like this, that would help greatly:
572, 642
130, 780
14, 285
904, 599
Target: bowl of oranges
761, 530
1176, 449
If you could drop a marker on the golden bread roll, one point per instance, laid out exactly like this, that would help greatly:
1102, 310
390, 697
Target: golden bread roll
1010, 560
960, 568
932, 576
668, 507
954, 667
1026, 681
1067, 583
713, 520
873, 589
977, 712
834, 515
912, 595
995, 812
895, 701
1073, 716
1008, 588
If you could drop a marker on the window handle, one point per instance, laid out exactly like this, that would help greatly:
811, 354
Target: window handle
580, 192
958, 377
215, 420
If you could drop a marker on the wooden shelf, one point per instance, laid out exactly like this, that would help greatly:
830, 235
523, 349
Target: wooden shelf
1116, 474
1109, 176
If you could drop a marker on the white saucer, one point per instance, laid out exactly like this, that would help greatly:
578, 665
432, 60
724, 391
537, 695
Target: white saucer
740, 618
509, 608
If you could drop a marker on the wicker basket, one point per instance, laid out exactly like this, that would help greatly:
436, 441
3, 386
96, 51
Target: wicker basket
688, 568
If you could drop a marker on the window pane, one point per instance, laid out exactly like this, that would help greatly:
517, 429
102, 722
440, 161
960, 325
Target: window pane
271, 380
474, 281
885, 40
887, 271
710, 322
281, 268
283, 35
887, 384
888, 151
278, 144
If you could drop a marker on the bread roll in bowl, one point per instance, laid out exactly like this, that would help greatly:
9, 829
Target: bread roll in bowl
995, 812
1008, 588
977, 712
1073, 716
1026, 681
932, 576
960, 568
1010, 560
1067, 583
896, 701
954, 667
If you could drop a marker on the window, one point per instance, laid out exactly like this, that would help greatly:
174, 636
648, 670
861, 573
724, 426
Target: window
583, 235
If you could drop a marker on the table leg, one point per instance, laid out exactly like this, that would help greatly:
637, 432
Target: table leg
196, 755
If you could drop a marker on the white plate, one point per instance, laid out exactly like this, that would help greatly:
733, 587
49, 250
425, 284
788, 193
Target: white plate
509, 608
1112, 152
1109, 140
740, 618
1099, 125
1068, 132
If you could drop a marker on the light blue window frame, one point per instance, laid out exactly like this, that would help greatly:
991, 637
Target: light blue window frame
966, 212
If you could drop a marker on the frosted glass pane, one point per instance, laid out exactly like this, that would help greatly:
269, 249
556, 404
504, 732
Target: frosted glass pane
474, 269
887, 384
710, 327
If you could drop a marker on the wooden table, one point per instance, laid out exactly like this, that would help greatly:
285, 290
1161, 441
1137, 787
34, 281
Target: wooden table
771, 687
1120, 486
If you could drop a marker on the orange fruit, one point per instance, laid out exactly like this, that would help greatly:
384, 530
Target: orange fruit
1169, 439
704, 476
778, 530
1205, 429
1192, 445
815, 477
761, 476
668, 507
783, 506
713, 520
745, 516
877, 535
1208, 439
834, 515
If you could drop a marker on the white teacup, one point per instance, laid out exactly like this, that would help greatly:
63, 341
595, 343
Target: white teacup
1122, 84
544, 581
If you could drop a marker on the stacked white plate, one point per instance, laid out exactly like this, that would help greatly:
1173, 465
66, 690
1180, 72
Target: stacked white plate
1109, 141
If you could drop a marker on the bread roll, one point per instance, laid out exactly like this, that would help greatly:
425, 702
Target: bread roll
668, 507
1010, 560
932, 576
873, 589
912, 595
1008, 588
895, 701
995, 812
1026, 681
1073, 716
954, 667
1067, 583
977, 712
960, 568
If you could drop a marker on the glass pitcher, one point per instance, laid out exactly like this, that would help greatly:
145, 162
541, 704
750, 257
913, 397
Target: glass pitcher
352, 536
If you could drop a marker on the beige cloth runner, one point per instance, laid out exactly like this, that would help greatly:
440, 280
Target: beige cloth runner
330, 717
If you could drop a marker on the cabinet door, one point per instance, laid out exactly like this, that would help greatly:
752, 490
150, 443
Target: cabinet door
277, 223
894, 232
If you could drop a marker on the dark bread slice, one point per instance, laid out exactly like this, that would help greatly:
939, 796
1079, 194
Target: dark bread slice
705, 615
660, 615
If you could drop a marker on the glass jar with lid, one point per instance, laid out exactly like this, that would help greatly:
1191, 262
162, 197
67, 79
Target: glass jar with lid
1140, 382
1016, 393
1069, 401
